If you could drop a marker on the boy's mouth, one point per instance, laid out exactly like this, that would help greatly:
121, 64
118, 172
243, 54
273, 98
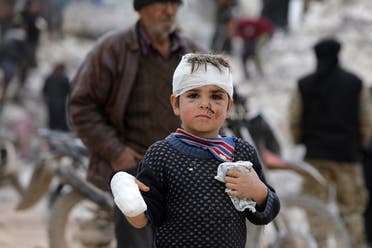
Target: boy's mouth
204, 116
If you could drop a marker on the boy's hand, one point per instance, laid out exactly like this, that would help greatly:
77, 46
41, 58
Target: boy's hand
246, 185
141, 185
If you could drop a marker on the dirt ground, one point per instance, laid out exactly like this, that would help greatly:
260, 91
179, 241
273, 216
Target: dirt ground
21, 229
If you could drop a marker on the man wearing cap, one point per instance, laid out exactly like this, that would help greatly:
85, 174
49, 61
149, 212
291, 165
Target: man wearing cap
329, 114
119, 103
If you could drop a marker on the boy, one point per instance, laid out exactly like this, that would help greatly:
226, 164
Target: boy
180, 195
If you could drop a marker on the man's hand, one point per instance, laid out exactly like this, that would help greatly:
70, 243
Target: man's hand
127, 159
246, 185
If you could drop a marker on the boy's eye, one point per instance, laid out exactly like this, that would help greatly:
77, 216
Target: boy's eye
192, 95
217, 96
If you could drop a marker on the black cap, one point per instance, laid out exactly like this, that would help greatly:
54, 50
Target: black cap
327, 47
138, 4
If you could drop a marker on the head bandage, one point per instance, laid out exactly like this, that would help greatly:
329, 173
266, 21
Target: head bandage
184, 80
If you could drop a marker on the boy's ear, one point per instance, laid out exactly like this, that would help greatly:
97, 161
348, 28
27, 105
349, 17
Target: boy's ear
175, 105
229, 107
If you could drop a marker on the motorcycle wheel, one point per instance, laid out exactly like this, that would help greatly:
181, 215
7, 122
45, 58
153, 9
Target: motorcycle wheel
76, 221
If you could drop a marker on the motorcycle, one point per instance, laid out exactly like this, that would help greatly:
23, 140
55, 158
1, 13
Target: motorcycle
81, 215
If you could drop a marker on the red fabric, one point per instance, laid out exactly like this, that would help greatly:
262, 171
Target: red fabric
274, 161
251, 28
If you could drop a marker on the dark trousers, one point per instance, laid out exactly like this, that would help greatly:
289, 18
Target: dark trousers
129, 237
367, 166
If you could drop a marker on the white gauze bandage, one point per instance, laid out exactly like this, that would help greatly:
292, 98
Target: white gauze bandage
184, 80
127, 195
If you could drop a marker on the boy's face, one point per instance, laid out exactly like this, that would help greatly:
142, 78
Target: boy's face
202, 110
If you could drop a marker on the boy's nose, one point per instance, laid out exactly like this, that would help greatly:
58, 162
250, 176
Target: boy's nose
205, 103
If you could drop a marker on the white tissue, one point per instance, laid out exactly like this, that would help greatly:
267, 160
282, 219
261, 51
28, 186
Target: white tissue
243, 166
127, 195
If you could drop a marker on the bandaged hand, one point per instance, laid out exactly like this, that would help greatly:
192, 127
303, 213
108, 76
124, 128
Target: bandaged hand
127, 195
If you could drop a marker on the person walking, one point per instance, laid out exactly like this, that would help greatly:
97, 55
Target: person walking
255, 34
119, 104
225, 12
329, 114
12, 57
185, 177
55, 92
31, 18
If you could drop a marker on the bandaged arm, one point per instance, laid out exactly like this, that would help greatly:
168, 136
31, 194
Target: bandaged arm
128, 198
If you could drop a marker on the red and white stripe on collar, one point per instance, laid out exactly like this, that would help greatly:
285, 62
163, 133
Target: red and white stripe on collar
222, 148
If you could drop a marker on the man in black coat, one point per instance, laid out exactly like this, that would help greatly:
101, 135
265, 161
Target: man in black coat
329, 114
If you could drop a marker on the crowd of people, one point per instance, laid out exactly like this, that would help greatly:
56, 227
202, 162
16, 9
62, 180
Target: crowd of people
150, 152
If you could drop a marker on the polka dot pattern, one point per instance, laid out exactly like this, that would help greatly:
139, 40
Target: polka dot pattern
197, 211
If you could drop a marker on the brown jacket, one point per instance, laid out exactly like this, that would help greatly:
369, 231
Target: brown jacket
100, 91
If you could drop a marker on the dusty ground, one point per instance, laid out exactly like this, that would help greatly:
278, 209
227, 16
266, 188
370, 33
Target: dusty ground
28, 228
21, 229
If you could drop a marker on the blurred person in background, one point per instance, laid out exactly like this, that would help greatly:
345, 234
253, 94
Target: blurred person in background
119, 103
53, 11
7, 13
367, 167
224, 14
55, 92
30, 17
330, 114
255, 33
277, 12
12, 57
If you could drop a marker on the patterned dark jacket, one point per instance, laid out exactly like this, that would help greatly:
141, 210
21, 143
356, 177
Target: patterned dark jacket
188, 206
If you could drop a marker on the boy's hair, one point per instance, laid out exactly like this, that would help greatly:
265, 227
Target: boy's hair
196, 60
196, 70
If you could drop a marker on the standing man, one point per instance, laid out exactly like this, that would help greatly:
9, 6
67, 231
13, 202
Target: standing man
120, 99
329, 115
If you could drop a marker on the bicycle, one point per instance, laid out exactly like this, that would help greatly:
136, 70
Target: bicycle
294, 226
